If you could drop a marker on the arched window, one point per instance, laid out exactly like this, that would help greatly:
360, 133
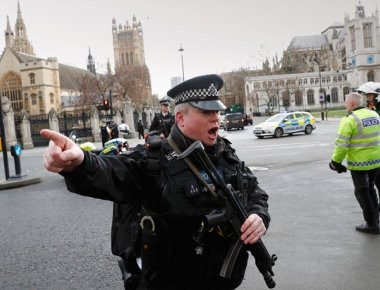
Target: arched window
298, 97
346, 91
334, 95
10, 87
32, 78
34, 99
371, 76
26, 102
52, 98
310, 97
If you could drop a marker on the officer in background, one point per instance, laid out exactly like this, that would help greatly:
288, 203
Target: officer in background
358, 140
174, 198
163, 121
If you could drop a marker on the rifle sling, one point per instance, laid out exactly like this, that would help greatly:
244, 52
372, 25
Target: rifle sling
192, 167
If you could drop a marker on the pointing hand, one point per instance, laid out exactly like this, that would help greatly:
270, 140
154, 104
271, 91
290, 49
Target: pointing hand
62, 155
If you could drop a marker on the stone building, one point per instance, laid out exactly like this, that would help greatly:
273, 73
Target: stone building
128, 46
32, 83
331, 64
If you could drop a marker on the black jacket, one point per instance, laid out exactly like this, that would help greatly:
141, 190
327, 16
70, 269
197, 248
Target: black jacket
162, 123
166, 189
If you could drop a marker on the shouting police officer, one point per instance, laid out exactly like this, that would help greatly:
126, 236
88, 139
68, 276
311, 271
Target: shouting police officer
175, 198
163, 121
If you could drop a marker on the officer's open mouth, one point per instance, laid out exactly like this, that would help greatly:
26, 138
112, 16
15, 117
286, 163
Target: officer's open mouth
213, 131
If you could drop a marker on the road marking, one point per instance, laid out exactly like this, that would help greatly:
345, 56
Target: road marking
256, 168
282, 146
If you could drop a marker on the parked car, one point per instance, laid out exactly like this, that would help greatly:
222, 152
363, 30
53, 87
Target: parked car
233, 120
247, 120
285, 123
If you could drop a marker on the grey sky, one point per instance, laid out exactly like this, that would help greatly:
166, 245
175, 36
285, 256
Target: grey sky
217, 35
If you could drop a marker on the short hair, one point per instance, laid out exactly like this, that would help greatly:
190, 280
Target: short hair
356, 98
184, 107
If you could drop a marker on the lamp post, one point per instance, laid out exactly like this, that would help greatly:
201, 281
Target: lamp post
183, 72
111, 111
318, 61
3, 141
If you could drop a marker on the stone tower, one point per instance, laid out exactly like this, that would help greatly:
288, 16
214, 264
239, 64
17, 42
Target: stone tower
91, 63
21, 42
128, 44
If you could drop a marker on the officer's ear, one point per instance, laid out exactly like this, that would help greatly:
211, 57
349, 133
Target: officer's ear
180, 118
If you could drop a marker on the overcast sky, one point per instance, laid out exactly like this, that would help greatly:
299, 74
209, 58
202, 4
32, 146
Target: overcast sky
217, 35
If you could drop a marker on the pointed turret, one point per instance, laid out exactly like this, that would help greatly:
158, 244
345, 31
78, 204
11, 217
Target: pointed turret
109, 67
9, 37
21, 42
90, 62
19, 16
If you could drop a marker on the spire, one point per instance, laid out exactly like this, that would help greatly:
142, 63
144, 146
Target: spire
19, 16
9, 37
90, 62
109, 67
9, 29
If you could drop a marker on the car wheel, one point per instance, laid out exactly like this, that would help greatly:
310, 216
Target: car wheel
260, 137
278, 132
308, 129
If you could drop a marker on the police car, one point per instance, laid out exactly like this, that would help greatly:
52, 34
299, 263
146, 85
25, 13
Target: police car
285, 123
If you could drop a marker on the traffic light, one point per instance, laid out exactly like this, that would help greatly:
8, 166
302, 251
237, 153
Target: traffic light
328, 99
106, 104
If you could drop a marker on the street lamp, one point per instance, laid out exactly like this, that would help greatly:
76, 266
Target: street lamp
318, 61
183, 73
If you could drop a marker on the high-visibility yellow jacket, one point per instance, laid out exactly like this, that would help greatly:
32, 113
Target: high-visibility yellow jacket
358, 140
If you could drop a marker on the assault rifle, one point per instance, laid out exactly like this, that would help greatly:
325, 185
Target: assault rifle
235, 214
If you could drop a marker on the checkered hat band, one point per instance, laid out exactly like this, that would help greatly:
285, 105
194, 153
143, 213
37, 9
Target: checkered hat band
196, 95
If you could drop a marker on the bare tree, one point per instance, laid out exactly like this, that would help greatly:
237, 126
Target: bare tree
134, 82
88, 91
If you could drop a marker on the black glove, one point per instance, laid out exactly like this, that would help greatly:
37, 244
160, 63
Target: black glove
338, 167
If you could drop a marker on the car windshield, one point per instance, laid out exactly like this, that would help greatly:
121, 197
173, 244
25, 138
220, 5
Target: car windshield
276, 118
234, 116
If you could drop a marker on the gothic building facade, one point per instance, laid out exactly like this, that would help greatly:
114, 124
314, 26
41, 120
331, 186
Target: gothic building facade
128, 46
337, 61
32, 83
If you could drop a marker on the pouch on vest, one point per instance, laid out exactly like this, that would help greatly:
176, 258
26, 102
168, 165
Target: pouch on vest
156, 251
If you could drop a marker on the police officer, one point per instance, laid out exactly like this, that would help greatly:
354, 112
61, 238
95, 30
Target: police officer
163, 121
371, 92
358, 140
174, 198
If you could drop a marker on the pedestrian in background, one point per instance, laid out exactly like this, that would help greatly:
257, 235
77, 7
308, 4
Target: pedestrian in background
104, 132
140, 129
358, 141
